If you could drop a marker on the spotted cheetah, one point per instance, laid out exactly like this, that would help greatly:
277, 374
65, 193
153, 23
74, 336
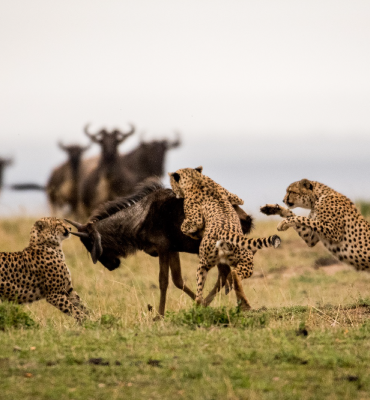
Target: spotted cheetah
209, 188
207, 208
40, 271
334, 220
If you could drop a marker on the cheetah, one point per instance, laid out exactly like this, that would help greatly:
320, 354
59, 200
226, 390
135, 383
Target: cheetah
208, 209
210, 186
334, 220
40, 272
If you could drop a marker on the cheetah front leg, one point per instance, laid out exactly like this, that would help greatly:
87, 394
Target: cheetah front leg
193, 221
65, 304
276, 209
307, 234
326, 228
76, 301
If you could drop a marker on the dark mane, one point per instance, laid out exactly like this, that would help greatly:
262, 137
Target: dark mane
111, 207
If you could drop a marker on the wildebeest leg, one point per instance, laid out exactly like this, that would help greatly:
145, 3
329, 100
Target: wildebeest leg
177, 276
164, 266
223, 272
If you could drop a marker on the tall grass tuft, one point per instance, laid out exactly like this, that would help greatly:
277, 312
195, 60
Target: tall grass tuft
220, 316
13, 316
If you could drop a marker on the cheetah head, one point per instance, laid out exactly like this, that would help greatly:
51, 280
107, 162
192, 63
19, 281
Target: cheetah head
50, 231
300, 194
183, 179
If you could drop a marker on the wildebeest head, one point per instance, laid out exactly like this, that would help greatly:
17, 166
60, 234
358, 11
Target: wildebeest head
4, 162
91, 239
155, 152
74, 152
109, 141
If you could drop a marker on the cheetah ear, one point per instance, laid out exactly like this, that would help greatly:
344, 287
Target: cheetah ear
175, 176
39, 225
305, 183
199, 169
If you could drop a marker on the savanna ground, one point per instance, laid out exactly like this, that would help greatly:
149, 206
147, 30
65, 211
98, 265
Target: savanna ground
308, 336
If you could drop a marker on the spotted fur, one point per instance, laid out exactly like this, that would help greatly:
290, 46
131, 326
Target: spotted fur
208, 208
39, 271
334, 220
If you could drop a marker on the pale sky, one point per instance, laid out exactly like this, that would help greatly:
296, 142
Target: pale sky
227, 74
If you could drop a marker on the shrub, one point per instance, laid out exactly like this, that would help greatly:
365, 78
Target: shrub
209, 316
13, 316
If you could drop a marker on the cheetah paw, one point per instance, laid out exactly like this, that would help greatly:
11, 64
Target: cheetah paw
283, 225
271, 209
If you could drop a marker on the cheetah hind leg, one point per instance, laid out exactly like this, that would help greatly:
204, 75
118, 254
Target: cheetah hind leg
223, 273
239, 292
224, 257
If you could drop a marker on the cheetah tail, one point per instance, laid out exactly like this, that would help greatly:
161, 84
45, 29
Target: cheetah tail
259, 243
253, 244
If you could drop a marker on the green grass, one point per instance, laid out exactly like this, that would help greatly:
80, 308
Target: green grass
308, 336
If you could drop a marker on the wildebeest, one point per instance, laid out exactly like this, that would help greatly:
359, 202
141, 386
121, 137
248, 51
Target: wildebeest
62, 187
149, 220
147, 159
4, 162
107, 180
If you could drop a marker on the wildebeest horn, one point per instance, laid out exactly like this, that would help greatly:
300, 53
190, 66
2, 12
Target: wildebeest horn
175, 143
123, 135
75, 224
62, 146
80, 234
97, 249
92, 136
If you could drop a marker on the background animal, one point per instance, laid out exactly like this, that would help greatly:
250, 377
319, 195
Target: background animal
109, 178
148, 158
149, 220
62, 187
4, 162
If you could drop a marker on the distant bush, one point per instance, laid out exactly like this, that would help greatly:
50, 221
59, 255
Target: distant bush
14, 316
364, 207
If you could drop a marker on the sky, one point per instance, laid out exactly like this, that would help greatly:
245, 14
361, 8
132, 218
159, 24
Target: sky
277, 85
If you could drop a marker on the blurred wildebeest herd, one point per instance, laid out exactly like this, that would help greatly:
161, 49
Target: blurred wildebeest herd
80, 184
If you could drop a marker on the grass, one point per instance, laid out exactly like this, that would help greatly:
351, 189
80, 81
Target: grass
307, 336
